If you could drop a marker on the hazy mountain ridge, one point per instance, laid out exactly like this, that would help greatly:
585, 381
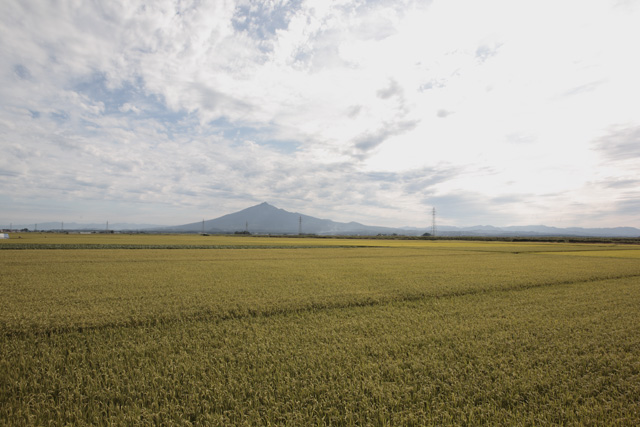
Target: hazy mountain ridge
267, 219
74, 226
538, 230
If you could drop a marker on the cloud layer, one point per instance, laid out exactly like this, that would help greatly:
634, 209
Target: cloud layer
494, 112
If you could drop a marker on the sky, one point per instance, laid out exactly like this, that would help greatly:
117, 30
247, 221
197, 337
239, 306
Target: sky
496, 112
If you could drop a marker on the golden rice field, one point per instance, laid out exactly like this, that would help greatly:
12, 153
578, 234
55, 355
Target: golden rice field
242, 330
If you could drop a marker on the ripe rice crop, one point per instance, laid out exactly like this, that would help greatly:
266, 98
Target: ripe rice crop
394, 333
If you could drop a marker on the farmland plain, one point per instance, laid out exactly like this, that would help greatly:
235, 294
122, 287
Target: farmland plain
232, 330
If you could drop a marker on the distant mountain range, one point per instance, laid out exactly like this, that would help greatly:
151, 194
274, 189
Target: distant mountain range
539, 230
74, 226
267, 219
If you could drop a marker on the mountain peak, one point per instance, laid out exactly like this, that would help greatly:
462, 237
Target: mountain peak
263, 205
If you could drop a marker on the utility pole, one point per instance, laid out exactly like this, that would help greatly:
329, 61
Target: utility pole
300, 226
433, 222
202, 225
246, 226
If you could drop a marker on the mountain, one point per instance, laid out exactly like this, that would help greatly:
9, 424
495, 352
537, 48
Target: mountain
267, 219
579, 231
538, 231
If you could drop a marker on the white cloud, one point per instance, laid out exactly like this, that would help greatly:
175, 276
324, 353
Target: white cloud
314, 103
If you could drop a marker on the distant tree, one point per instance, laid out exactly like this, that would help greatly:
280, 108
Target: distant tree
426, 235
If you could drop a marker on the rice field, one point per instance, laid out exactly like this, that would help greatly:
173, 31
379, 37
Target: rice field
241, 330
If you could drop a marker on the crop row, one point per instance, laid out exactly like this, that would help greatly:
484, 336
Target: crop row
194, 241
416, 333
559, 354
46, 291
